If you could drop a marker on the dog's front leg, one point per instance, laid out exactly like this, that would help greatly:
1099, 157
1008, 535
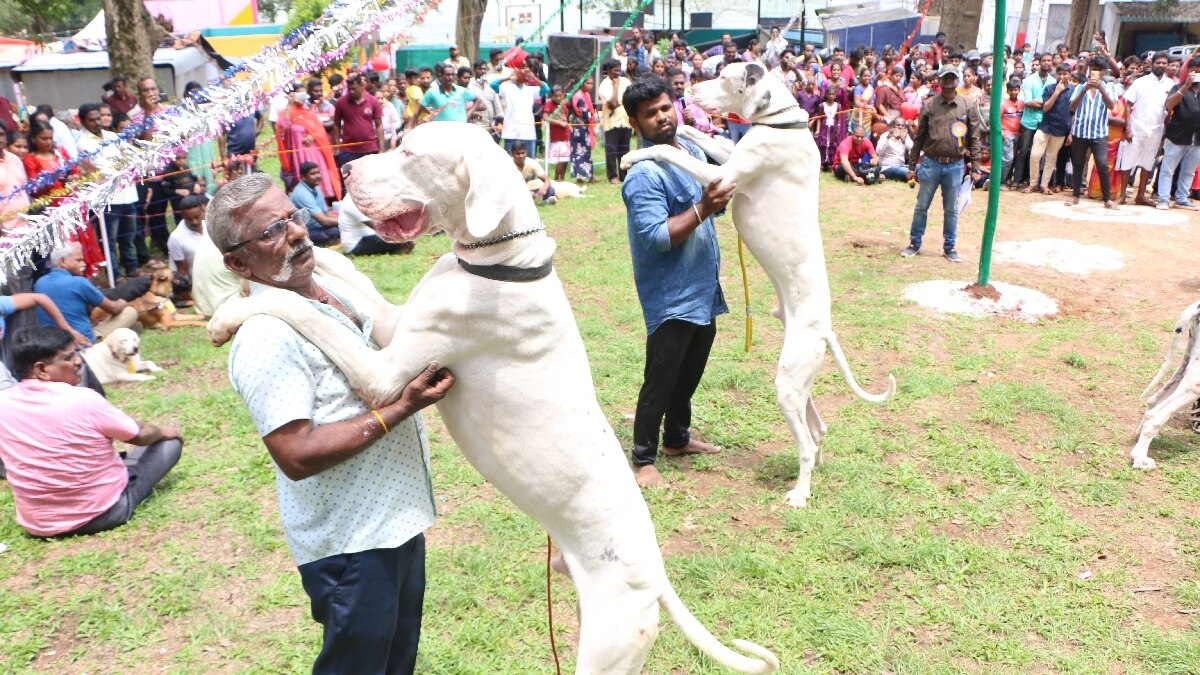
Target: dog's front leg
701, 171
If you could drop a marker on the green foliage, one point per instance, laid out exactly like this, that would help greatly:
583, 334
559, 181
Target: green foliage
304, 11
39, 18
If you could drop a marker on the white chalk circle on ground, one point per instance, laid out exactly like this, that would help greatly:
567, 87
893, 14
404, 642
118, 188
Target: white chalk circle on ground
951, 297
1093, 211
1063, 255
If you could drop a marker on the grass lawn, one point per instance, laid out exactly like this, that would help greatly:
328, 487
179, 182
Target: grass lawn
948, 529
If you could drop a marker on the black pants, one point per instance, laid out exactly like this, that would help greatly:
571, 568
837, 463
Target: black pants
676, 354
1060, 166
1079, 152
868, 172
373, 245
616, 145
146, 466
1020, 171
345, 157
370, 605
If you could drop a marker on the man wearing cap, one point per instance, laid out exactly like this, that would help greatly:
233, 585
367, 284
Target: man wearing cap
972, 59
947, 130
457, 60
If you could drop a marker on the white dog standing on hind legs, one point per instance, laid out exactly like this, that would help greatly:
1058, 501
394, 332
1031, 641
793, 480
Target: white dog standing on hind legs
523, 409
1179, 392
776, 168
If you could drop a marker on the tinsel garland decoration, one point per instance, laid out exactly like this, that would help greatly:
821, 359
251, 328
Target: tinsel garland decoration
238, 93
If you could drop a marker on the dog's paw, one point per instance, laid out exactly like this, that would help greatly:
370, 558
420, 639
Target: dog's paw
220, 332
632, 158
797, 498
1144, 463
152, 366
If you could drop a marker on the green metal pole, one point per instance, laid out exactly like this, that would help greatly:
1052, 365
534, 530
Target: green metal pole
997, 145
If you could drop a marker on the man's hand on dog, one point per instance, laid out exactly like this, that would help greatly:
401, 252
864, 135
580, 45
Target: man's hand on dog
427, 388
716, 196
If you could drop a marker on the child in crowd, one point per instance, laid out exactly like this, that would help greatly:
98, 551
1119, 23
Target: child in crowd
559, 153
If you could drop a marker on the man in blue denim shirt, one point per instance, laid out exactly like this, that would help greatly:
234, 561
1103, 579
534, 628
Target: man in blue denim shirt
676, 262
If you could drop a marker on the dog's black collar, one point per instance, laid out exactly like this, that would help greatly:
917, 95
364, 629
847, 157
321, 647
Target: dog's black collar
784, 125
507, 273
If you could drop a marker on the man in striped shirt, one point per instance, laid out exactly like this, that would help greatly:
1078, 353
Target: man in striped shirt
1090, 103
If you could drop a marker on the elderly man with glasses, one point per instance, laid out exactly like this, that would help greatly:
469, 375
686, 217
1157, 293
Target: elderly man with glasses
354, 487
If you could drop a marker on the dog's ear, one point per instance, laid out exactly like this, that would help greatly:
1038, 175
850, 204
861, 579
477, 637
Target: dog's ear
757, 98
488, 200
752, 73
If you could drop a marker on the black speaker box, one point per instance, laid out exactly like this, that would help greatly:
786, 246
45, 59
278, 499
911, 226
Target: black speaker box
571, 55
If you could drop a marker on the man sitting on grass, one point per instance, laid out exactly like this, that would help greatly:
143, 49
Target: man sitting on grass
56, 443
322, 221
857, 160
532, 170
75, 297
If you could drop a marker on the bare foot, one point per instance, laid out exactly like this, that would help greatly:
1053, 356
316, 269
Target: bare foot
1142, 201
1073, 201
694, 447
647, 476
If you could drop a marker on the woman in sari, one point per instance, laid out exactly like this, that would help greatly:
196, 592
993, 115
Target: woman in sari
831, 122
1117, 180
302, 138
583, 133
45, 157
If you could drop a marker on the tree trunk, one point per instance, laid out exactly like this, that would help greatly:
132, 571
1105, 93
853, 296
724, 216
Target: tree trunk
959, 21
132, 38
470, 21
1081, 25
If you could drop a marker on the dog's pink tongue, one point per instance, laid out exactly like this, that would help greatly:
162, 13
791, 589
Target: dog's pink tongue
404, 226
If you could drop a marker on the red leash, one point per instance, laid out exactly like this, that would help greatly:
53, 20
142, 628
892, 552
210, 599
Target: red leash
550, 608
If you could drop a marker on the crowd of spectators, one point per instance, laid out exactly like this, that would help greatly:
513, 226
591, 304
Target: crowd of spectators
1089, 121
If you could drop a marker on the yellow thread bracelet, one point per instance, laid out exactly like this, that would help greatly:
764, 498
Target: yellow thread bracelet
380, 418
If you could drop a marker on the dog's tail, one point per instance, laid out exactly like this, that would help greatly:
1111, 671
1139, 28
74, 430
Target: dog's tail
1180, 345
844, 368
698, 635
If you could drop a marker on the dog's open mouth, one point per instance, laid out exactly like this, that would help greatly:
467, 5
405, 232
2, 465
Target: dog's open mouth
406, 225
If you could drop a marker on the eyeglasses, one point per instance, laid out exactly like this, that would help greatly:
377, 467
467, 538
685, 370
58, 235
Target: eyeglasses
276, 229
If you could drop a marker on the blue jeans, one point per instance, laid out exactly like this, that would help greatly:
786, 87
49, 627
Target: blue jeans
370, 606
122, 224
895, 172
1185, 159
931, 175
530, 145
737, 130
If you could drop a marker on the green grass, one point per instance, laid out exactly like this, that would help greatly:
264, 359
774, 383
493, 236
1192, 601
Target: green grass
947, 531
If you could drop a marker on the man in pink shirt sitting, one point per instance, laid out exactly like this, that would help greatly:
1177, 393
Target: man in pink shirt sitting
56, 442
857, 160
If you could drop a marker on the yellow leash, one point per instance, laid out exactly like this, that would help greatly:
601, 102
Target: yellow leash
746, 289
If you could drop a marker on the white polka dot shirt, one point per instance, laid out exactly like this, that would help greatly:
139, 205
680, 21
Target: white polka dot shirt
381, 497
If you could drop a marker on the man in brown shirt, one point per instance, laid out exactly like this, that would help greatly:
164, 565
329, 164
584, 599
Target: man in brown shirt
947, 131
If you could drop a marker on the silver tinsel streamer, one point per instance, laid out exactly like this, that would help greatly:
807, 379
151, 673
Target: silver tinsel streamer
325, 40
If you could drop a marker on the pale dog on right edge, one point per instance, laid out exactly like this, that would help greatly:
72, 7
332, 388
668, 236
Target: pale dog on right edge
776, 167
1178, 393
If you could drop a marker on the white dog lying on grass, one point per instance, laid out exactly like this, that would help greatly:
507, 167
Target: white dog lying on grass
117, 358
1179, 392
523, 409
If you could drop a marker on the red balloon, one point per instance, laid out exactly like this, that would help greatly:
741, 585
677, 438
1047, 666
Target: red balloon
380, 64
909, 111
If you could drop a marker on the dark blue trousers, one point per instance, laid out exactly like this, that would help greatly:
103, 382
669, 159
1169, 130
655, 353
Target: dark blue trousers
370, 605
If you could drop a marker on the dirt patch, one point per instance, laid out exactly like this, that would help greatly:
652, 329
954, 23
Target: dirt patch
998, 300
988, 292
1062, 255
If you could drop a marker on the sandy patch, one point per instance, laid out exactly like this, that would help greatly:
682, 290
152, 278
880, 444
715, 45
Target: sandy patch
1063, 255
951, 297
1094, 211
